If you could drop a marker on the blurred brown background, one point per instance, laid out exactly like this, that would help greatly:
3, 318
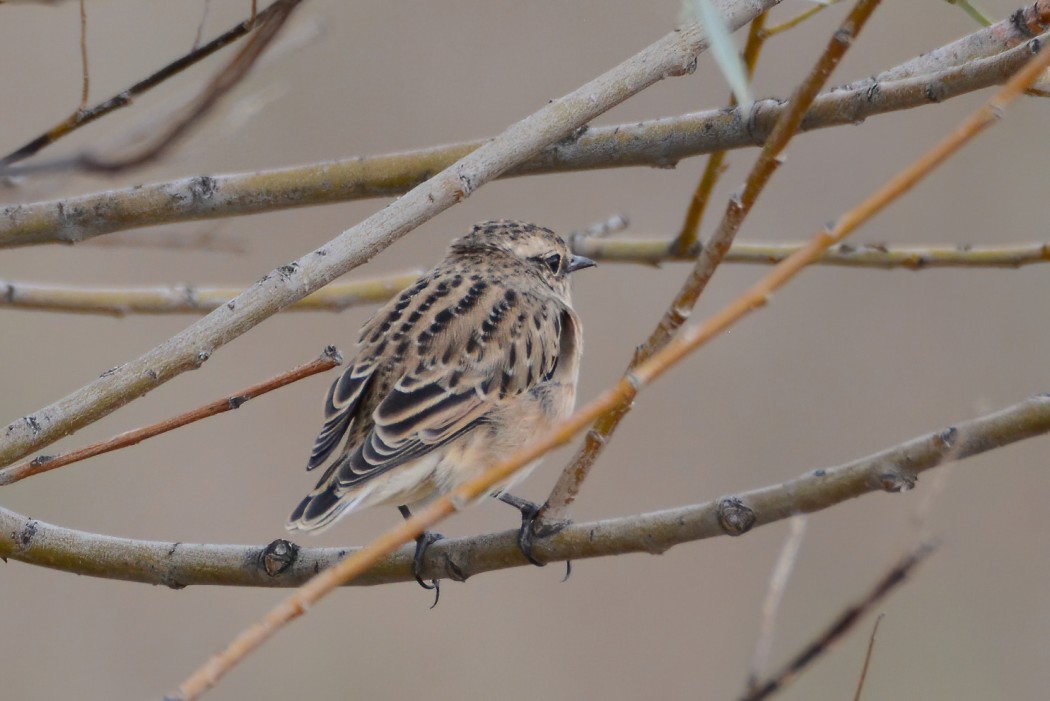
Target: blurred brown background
843, 363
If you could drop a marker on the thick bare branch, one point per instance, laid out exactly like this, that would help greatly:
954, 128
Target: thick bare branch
659, 142
282, 564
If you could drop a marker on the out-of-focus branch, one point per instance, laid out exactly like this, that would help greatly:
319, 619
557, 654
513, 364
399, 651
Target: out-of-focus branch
219, 86
660, 143
842, 625
283, 564
124, 98
45, 463
186, 299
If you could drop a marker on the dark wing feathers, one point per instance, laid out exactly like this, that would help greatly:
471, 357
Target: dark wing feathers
340, 404
431, 364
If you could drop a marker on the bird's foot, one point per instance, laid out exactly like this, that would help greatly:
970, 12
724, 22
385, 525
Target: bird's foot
531, 529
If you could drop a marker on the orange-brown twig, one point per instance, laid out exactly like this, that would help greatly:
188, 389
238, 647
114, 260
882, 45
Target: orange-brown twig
711, 255
45, 463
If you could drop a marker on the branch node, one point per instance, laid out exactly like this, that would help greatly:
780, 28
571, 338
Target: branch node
895, 481
279, 556
946, 438
333, 354
735, 517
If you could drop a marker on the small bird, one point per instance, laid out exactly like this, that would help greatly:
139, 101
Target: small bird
452, 376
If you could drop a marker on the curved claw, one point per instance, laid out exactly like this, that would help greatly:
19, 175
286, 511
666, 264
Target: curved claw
423, 541
527, 534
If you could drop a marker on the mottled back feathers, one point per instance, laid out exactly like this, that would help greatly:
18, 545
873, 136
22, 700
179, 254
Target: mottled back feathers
489, 324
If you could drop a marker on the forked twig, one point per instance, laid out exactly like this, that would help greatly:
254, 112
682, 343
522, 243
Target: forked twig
329, 359
842, 625
86, 115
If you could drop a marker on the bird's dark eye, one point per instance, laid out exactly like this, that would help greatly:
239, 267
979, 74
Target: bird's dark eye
553, 261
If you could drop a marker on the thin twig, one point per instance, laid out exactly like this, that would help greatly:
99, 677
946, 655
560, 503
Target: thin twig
710, 257
871, 255
842, 625
674, 54
85, 85
797, 19
124, 98
867, 657
774, 596
684, 343
45, 463
186, 299
219, 86
660, 142
690, 231
283, 564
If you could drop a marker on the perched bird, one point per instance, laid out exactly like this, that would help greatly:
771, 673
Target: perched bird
453, 375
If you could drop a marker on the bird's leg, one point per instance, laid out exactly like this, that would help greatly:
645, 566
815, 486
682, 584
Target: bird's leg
423, 541
527, 534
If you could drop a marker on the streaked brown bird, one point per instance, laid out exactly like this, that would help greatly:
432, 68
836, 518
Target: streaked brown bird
457, 372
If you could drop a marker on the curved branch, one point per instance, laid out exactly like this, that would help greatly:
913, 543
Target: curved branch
283, 564
659, 142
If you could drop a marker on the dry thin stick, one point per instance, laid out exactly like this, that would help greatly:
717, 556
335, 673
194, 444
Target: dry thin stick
660, 142
689, 233
186, 299
233, 73
870, 255
774, 596
842, 625
283, 564
796, 20
867, 657
713, 251
85, 78
674, 54
684, 343
45, 463
126, 97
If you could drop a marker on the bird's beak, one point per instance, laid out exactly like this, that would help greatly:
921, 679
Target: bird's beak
579, 262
